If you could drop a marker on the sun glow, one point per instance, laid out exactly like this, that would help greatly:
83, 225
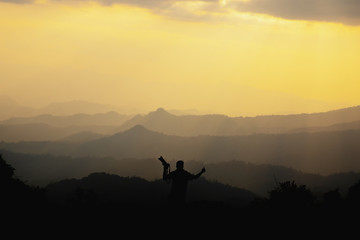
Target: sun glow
222, 61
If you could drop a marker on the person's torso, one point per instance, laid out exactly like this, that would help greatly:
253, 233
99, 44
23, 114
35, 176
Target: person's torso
180, 179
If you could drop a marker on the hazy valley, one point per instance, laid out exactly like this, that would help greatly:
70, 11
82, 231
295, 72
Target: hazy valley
320, 153
254, 153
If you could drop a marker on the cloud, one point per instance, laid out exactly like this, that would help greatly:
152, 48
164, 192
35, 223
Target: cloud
150, 4
342, 11
185, 10
18, 1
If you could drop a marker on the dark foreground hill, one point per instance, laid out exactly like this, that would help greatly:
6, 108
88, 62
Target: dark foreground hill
40, 170
103, 206
110, 189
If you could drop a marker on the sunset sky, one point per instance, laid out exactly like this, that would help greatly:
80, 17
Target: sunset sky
231, 57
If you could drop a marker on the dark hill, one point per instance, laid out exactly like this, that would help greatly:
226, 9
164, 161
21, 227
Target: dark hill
40, 170
134, 142
112, 189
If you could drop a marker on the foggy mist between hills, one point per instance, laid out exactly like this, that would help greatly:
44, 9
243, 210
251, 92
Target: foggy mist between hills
245, 152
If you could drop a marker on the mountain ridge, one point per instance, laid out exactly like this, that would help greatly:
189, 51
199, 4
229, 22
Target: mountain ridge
323, 152
222, 125
163, 121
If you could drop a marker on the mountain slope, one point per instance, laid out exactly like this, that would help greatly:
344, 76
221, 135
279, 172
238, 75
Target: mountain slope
81, 137
324, 152
186, 125
100, 119
114, 189
44, 132
221, 125
50, 128
336, 127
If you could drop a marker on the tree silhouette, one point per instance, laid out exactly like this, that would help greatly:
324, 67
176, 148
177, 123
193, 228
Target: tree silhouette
16, 196
353, 197
288, 195
6, 171
332, 198
354, 192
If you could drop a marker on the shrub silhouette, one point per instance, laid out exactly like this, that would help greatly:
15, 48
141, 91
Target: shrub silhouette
288, 195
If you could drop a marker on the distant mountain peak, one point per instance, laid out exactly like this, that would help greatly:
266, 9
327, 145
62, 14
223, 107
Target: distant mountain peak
139, 130
138, 127
160, 112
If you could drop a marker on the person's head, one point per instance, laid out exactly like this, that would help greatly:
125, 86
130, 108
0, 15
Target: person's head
180, 164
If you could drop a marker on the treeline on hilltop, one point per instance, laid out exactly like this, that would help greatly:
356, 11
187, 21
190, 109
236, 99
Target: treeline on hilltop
102, 188
40, 170
106, 191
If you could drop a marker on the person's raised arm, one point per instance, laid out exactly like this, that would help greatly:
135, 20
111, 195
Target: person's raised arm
200, 173
166, 168
166, 172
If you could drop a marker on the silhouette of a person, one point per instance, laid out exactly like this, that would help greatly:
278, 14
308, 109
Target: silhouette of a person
179, 178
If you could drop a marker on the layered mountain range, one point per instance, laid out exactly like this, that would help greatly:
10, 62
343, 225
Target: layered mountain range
302, 145
57, 127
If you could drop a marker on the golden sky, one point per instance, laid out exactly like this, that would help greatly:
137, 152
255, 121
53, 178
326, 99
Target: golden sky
232, 57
